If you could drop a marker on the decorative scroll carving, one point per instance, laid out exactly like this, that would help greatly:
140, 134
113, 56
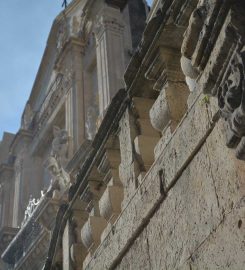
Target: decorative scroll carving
231, 97
215, 45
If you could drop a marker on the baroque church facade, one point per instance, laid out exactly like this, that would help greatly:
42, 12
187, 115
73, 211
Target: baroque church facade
131, 149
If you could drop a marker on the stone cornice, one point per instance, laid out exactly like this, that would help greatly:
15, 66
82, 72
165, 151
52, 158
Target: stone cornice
51, 43
153, 37
72, 5
21, 134
69, 45
4, 167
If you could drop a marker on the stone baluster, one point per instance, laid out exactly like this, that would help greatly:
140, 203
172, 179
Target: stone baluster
78, 252
165, 71
110, 202
95, 225
148, 137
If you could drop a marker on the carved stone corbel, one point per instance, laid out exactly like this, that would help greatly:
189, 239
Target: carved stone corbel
231, 98
215, 44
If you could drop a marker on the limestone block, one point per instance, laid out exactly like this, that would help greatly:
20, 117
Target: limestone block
128, 175
128, 169
137, 257
224, 248
128, 132
196, 124
228, 172
187, 216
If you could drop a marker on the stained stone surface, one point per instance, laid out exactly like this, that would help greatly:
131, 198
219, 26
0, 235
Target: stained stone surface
199, 199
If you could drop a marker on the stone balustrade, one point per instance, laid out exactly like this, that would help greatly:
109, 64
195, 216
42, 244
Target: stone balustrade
142, 157
214, 46
33, 238
103, 196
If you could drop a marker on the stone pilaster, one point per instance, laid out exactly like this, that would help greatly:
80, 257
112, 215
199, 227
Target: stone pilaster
70, 64
110, 54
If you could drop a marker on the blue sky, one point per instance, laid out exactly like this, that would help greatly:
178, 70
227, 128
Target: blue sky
24, 28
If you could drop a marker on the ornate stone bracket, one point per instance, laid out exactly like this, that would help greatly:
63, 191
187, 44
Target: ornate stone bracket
214, 43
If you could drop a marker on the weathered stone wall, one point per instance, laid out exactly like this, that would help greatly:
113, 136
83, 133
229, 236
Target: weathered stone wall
183, 188
197, 222
200, 224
